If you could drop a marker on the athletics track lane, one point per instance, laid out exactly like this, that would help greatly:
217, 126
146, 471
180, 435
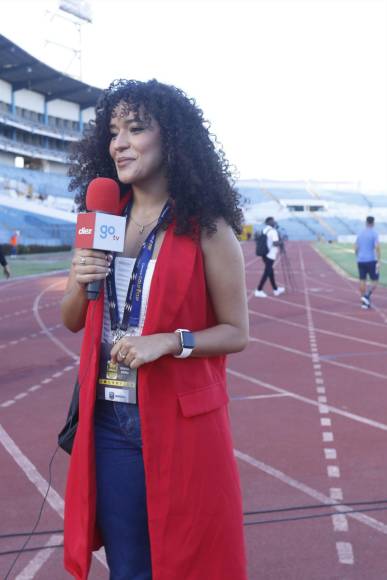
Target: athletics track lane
324, 428
297, 398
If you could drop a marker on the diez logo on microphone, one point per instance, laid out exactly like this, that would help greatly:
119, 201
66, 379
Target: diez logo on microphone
85, 230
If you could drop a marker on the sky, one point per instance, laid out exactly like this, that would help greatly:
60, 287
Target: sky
294, 89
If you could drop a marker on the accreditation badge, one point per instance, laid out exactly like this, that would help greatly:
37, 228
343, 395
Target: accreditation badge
116, 382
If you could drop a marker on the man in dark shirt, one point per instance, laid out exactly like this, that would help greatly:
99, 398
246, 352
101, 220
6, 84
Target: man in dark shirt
4, 263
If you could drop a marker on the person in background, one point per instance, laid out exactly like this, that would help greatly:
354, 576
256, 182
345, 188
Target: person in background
273, 245
4, 264
14, 241
152, 474
368, 254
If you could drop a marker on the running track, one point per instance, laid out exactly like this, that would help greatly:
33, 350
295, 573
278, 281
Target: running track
308, 409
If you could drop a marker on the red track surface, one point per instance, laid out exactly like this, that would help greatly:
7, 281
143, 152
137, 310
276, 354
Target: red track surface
293, 448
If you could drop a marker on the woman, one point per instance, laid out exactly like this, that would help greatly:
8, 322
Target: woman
154, 478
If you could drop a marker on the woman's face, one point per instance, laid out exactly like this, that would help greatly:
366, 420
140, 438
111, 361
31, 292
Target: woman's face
135, 146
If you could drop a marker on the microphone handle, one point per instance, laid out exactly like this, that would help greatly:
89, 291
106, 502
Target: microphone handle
93, 289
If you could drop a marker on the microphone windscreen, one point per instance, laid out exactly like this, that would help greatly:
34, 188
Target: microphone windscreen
103, 194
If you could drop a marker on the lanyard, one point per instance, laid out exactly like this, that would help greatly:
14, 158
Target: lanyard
132, 308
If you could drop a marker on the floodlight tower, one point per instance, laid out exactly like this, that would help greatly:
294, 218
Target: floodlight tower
64, 34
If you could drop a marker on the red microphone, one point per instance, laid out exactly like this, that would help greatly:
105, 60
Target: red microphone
101, 228
103, 195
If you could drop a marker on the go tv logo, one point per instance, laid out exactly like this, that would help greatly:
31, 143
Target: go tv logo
106, 230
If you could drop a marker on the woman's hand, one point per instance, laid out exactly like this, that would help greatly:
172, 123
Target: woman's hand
134, 351
90, 265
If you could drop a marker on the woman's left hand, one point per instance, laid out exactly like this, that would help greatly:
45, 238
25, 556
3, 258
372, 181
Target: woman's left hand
134, 351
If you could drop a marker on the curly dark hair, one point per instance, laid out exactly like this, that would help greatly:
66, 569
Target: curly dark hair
199, 177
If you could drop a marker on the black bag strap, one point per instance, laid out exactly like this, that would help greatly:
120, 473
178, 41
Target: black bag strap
67, 435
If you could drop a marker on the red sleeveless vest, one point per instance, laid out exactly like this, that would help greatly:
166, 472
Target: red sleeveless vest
192, 483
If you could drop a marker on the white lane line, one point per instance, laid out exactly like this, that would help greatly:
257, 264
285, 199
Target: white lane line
302, 487
13, 314
46, 382
327, 436
331, 313
340, 523
251, 397
24, 338
321, 390
325, 361
322, 408
41, 484
12, 299
333, 471
33, 567
345, 552
336, 493
26, 310
325, 422
320, 330
330, 453
44, 328
8, 403
53, 497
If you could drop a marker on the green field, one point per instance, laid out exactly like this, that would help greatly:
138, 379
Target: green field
343, 255
27, 264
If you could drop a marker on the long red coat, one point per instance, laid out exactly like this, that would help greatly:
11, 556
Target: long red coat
192, 483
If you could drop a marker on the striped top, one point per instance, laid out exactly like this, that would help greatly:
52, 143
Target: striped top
123, 270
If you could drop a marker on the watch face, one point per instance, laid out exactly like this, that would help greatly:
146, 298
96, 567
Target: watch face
188, 339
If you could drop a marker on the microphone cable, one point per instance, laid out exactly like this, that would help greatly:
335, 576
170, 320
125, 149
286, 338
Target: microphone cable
382, 503
314, 506
315, 516
23, 548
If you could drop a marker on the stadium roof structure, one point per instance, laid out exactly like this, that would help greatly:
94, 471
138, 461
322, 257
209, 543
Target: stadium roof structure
24, 71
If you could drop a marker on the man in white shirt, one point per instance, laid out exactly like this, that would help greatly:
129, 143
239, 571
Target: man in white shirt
273, 243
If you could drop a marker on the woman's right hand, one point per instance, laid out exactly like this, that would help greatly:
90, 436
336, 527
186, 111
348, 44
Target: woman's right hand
90, 265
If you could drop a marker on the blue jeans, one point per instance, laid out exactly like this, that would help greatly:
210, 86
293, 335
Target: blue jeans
121, 501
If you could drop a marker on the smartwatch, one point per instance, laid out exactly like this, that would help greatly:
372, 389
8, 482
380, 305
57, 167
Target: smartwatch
187, 342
